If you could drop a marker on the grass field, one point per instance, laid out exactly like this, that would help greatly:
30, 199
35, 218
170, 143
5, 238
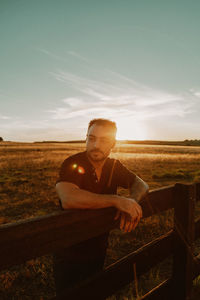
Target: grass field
28, 172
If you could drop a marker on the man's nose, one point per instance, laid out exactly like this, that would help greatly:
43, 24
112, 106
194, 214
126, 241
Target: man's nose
97, 143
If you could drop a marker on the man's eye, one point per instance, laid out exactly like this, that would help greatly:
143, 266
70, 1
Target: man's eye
91, 139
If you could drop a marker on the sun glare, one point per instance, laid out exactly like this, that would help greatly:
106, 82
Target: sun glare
128, 129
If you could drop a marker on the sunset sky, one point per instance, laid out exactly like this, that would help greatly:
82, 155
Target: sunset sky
63, 63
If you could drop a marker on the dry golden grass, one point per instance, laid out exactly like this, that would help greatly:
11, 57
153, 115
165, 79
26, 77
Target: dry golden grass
27, 188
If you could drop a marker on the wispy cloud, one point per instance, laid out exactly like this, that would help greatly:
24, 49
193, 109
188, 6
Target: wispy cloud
77, 55
64, 58
3, 117
93, 91
107, 92
117, 95
52, 55
195, 92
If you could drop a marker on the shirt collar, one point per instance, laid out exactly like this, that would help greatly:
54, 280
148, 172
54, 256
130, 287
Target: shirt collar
91, 165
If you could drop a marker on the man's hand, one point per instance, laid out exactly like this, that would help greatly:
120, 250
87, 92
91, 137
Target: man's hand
126, 223
130, 212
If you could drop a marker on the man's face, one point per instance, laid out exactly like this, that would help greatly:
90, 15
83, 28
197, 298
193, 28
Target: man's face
100, 140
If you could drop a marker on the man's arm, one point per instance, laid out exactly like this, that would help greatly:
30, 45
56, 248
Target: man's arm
137, 191
72, 197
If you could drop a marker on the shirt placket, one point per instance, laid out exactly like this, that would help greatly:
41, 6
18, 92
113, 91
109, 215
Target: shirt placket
94, 175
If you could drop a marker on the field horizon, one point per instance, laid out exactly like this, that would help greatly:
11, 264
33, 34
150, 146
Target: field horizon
186, 142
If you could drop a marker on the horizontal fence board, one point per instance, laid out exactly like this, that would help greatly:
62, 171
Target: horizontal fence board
157, 201
42, 235
161, 291
120, 273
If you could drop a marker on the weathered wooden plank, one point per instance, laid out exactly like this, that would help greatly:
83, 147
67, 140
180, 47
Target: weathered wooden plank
161, 291
39, 236
117, 275
157, 201
42, 235
183, 246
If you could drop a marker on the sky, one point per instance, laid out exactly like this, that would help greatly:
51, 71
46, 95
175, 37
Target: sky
63, 63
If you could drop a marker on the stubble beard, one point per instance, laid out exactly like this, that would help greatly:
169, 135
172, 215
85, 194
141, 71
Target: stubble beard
93, 157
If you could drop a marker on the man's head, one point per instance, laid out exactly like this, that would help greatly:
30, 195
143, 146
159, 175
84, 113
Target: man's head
100, 140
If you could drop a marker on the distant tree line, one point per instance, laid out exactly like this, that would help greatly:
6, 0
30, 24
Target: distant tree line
172, 143
192, 142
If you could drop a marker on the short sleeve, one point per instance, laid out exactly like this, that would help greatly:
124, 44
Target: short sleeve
68, 172
125, 177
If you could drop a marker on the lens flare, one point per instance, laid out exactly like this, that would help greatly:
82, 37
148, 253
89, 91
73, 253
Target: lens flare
81, 170
78, 169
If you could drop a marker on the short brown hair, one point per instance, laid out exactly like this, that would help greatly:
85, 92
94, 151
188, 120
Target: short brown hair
103, 122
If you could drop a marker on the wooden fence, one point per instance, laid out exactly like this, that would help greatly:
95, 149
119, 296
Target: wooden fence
39, 236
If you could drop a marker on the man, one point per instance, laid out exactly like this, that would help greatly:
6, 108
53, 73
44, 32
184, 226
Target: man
89, 180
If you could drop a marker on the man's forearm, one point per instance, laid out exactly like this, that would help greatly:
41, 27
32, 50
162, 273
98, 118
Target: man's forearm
73, 197
138, 189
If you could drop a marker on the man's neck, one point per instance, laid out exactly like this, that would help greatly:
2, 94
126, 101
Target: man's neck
97, 164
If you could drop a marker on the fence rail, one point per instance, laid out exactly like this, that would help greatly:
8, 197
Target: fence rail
39, 236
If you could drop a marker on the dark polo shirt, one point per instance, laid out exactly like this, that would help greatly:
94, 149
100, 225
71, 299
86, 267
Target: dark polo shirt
82, 260
77, 169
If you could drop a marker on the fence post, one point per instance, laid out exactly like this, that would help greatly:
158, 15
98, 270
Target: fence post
184, 201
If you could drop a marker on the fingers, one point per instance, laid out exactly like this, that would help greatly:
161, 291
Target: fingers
135, 210
137, 215
129, 219
127, 224
122, 221
139, 210
135, 224
117, 215
131, 225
